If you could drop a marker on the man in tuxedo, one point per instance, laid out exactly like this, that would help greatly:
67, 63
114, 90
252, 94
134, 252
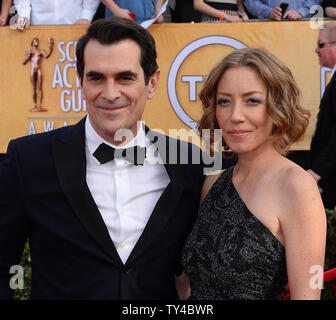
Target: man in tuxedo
105, 212
323, 144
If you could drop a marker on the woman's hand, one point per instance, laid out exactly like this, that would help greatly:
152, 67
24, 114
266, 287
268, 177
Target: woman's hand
182, 286
233, 18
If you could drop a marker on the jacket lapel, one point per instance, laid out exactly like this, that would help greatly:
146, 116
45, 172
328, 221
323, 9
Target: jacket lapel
166, 205
323, 112
70, 162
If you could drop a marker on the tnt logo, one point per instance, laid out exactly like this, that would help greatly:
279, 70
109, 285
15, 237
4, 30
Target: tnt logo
189, 70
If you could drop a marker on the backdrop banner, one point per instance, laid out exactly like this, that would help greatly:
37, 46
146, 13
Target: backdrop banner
39, 89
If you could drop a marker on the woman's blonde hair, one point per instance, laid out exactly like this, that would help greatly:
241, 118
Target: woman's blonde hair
290, 119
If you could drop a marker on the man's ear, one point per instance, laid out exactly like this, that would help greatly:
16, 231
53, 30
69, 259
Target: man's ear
153, 84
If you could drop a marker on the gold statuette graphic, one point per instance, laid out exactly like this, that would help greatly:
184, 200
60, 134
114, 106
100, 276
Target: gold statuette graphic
35, 56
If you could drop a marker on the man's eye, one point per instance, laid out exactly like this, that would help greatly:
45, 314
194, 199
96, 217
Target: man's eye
94, 78
126, 78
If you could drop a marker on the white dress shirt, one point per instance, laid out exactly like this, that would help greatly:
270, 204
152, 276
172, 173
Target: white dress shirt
56, 12
124, 193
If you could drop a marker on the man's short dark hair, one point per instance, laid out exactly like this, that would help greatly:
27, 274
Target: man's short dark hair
113, 30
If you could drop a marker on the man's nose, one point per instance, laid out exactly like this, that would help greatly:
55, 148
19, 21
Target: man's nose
111, 90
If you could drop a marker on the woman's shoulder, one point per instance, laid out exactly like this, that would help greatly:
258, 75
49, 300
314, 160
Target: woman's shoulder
209, 182
297, 190
294, 179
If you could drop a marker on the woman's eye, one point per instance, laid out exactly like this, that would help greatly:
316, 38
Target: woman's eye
253, 101
223, 101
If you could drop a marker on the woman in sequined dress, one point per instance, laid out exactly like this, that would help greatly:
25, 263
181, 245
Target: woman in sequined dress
261, 223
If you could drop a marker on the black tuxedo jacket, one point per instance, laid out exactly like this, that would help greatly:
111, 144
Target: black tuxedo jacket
44, 197
323, 145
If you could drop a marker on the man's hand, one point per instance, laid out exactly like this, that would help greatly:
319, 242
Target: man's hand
122, 13
292, 15
276, 14
82, 21
245, 17
3, 20
22, 23
160, 19
315, 175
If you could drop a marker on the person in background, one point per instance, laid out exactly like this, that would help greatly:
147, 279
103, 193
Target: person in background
54, 12
142, 9
261, 222
183, 11
329, 7
323, 144
270, 9
100, 13
221, 10
4, 11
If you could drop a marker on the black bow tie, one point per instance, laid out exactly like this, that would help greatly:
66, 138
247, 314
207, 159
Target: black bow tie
105, 153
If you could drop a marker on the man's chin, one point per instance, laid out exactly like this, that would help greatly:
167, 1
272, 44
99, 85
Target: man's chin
323, 64
119, 134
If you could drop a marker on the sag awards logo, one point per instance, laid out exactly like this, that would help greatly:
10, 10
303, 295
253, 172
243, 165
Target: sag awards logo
187, 70
34, 55
64, 93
